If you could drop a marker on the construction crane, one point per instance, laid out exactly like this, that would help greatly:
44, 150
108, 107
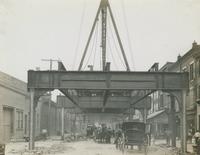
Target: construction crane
103, 10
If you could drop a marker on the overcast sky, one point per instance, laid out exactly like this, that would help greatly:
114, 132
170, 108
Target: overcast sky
30, 30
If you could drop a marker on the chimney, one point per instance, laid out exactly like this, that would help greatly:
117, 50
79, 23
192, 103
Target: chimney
178, 57
37, 68
107, 67
194, 44
91, 67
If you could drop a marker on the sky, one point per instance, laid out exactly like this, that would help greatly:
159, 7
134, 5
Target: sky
151, 31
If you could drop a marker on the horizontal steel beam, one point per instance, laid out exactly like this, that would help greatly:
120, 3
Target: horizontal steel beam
95, 102
114, 102
106, 110
98, 80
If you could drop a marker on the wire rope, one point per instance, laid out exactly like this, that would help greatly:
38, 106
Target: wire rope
109, 44
116, 45
96, 43
79, 33
127, 32
93, 44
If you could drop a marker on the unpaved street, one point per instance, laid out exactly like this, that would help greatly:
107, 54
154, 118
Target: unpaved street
77, 148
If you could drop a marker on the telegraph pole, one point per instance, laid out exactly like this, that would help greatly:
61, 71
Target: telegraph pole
51, 62
49, 110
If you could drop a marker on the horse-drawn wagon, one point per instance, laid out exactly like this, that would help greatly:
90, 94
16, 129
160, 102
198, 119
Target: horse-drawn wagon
133, 134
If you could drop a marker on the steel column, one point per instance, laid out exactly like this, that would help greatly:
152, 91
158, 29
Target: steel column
172, 121
62, 122
183, 123
32, 119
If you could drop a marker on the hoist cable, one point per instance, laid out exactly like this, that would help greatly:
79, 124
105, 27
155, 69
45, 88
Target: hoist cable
110, 51
93, 44
79, 34
96, 41
117, 50
112, 56
128, 34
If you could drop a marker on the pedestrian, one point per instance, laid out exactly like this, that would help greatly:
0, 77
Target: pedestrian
197, 137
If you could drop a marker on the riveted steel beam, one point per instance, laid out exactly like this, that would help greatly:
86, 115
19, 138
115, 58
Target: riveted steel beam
98, 80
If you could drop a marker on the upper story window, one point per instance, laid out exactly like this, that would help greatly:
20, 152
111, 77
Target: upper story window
199, 67
184, 69
192, 71
198, 92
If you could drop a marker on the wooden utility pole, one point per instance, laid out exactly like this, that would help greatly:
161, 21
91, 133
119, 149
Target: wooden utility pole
49, 110
32, 120
62, 122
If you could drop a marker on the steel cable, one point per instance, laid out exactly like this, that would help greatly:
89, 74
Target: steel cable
79, 33
127, 32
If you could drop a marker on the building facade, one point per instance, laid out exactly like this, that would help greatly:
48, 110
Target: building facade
14, 108
190, 62
14, 111
160, 104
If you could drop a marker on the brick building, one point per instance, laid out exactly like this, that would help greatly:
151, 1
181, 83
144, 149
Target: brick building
189, 62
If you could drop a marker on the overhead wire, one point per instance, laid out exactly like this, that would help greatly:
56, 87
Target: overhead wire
79, 34
110, 51
117, 50
127, 32
93, 44
100, 58
96, 43
112, 56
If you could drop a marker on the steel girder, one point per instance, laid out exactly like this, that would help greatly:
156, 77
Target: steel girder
98, 80
114, 102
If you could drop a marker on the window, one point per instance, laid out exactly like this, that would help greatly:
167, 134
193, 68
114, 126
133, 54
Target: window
25, 121
38, 120
161, 101
19, 120
184, 69
192, 71
199, 92
199, 67
199, 121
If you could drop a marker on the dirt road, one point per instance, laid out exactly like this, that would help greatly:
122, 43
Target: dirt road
78, 148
